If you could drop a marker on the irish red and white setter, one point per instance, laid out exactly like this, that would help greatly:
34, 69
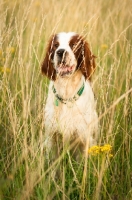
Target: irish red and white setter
70, 110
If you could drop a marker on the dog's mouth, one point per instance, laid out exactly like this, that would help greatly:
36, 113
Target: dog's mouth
64, 69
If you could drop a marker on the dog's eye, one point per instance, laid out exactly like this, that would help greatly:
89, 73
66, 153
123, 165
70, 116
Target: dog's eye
73, 45
56, 45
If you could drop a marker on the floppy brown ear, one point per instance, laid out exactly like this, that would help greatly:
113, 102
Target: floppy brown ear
88, 64
47, 65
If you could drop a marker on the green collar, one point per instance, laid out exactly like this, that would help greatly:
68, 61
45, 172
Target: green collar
70, 100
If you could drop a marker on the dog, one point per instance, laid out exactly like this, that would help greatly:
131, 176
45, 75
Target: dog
70, 110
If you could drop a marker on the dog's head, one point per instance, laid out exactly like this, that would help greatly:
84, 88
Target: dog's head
66, 53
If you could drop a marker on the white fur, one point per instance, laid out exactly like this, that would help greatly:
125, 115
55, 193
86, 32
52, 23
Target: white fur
79, 117
64, 39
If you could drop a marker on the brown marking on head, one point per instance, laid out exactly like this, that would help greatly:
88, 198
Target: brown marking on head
85, 59
47, 65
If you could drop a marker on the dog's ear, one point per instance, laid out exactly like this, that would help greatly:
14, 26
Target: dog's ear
88, 62
47, 65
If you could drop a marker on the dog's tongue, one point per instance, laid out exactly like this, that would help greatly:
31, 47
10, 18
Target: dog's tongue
64, 68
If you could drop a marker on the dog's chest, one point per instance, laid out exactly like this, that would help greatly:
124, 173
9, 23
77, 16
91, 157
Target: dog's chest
71, 116
69, 112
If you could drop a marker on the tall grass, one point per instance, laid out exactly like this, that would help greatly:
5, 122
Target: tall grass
25, 27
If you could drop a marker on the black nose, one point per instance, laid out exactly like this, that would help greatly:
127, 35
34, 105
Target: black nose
60, 52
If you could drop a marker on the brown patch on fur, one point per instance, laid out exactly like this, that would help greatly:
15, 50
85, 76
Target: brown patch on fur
85, 59
47, 65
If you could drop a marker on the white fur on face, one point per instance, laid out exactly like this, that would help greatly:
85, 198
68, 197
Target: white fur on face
63, 40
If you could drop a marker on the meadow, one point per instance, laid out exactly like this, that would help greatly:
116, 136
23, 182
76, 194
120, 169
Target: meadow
25, 27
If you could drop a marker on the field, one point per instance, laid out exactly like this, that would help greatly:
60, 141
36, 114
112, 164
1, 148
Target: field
25, 27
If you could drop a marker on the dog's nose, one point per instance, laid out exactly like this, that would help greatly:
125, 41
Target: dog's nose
60, 52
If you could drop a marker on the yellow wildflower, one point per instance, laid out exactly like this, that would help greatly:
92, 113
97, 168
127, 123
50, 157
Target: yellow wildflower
10, 50
4, 69
104, 46
0, 52
100, 149
94, 150
106, 148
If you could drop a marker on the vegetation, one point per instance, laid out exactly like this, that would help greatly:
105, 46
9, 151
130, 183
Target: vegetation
25, 27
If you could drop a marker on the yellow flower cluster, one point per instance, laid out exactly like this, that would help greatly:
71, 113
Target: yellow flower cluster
100, 149
94, 150
10, 50
104, 46
4, 69
0, 52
